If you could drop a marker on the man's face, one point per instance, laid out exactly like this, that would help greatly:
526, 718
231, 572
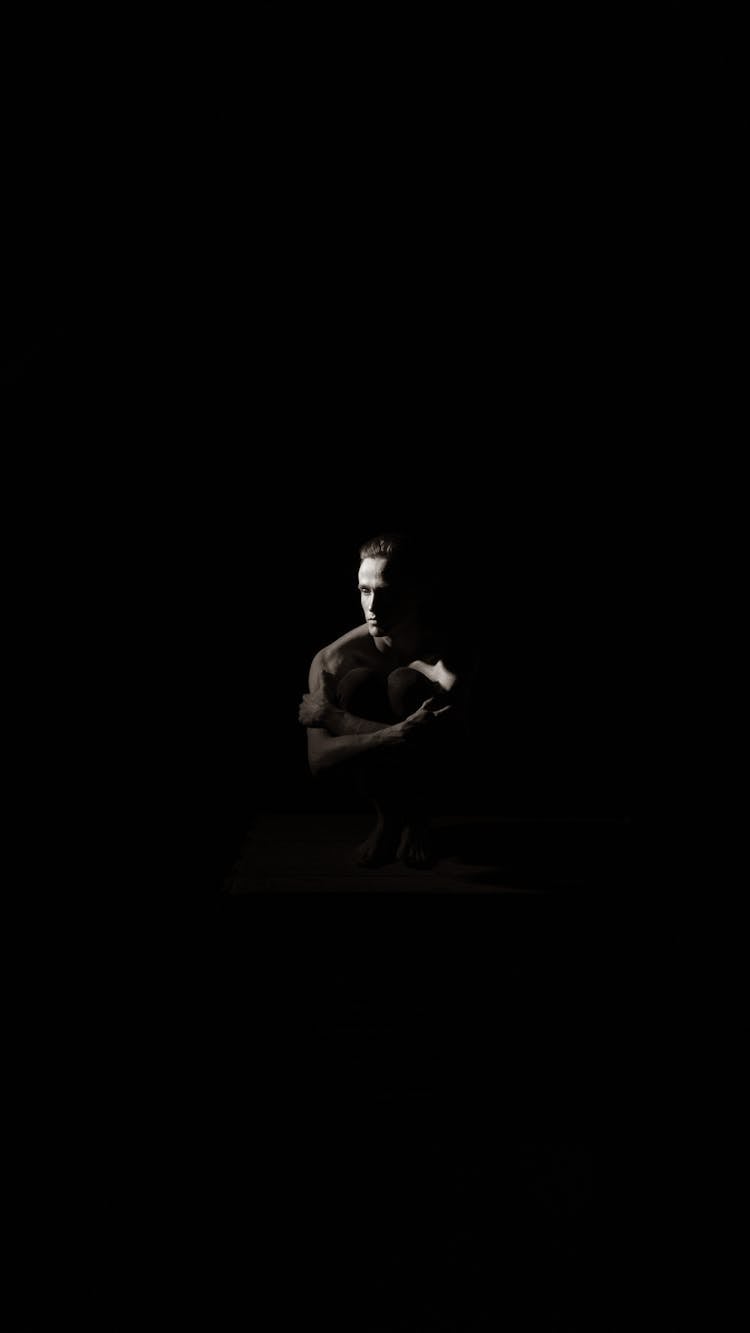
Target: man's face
384, 603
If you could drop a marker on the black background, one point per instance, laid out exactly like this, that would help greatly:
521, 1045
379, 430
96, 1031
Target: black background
292, 297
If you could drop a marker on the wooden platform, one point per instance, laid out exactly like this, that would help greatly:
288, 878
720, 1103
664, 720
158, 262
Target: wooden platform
480, 854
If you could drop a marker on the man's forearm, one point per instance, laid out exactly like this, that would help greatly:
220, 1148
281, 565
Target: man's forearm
341, 723
325, 750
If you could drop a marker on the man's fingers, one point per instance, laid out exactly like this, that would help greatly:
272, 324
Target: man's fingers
438, 712
434, 706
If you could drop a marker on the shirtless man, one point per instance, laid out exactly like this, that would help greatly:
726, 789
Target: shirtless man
384, 699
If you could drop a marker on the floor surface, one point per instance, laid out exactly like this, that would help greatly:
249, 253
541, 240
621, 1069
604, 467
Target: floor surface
475, 854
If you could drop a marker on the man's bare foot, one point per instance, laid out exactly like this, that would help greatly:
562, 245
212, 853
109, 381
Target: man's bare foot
416, 848
379, 847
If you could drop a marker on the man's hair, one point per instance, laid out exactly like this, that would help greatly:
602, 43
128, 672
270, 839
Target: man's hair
389, 544
398, 549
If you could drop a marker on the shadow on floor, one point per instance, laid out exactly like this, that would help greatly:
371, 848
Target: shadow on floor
534, 853
315, 853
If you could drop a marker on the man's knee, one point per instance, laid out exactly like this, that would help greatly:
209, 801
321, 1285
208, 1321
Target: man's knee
362, 692
407, 690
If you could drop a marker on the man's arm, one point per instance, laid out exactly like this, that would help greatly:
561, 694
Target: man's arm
325, 751
334, 735
316, 711
325, 748
319, 707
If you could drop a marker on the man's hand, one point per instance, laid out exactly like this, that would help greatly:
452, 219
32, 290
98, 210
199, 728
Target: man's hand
425, 717
315, 709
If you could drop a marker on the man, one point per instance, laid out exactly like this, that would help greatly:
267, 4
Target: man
386, 700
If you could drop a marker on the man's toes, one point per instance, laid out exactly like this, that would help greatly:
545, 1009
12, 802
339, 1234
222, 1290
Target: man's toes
415, 850
375, 850
421, 858
363, 855
366, 853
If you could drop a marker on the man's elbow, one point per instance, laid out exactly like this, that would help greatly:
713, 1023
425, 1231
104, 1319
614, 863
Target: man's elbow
316, 756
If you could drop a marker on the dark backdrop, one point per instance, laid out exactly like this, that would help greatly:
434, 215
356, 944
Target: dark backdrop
294, 299
281, 326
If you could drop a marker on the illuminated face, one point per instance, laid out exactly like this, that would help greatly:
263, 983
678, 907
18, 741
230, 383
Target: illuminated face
383, 602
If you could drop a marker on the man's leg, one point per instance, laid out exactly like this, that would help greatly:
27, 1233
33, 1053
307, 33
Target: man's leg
364, 694
407, 691
398, 782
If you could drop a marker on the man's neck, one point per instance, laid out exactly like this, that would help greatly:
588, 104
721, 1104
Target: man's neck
406, 641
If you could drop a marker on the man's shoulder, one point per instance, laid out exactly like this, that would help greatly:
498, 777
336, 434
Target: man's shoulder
342, 651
